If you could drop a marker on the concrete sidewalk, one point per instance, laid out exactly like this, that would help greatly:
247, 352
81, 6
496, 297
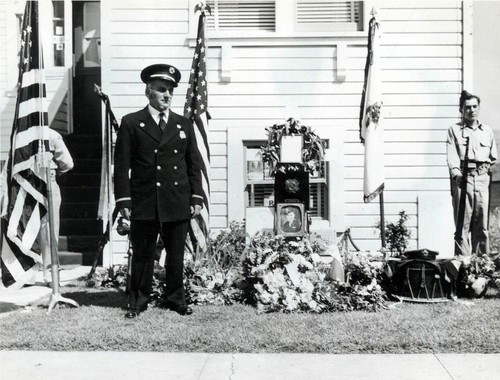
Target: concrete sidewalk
23, 365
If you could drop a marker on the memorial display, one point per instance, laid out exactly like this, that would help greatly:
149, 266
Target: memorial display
293, 153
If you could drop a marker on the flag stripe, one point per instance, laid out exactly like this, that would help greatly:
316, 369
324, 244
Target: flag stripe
32, 91
16, 267
32, 120
28, 161
32, 105
34, 185
30, 136
196, 109
31, 77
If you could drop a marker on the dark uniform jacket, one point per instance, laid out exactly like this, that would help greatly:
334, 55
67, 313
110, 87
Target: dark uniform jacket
165, 169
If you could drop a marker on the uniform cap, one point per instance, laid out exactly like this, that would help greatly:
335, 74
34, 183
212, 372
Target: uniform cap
161, 71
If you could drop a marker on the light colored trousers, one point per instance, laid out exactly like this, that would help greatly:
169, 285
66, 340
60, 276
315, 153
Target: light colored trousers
475, 238
55, 223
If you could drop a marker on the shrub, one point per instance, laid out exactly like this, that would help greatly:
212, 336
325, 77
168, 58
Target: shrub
397, 235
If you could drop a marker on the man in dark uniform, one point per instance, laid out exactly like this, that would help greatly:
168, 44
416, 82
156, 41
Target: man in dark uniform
163, 190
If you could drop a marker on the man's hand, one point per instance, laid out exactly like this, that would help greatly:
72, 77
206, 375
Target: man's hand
458, 179
125, 212
195, 210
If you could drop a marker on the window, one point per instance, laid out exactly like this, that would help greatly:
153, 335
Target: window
259, 188
285, 15
324, 15
58, 32
242, 15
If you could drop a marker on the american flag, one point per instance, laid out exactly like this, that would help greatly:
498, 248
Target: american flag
26, 185
196, 109
371, 117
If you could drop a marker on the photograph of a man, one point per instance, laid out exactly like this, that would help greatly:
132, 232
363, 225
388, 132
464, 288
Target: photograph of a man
291, 221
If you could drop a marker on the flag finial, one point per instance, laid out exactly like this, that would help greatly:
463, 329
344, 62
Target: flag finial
202, 6
373, 12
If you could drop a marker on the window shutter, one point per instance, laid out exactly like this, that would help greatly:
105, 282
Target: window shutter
327, 15
242, 15
319, 205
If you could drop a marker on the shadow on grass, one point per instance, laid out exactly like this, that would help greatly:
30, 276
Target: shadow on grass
104, 298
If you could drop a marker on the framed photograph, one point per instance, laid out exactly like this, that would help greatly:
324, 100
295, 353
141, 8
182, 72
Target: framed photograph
255, 167
291, 219
291, 148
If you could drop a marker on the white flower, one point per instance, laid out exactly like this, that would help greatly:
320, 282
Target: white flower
219, 278
373, 285
313, 305
275, 280
315, 257
301, 260
291, 301
306, 286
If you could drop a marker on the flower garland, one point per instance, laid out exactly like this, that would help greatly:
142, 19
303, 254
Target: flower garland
313, 150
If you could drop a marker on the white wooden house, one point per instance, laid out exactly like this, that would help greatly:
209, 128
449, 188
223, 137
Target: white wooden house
269, 60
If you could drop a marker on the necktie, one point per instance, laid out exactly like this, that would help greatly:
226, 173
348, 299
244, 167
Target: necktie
162, 123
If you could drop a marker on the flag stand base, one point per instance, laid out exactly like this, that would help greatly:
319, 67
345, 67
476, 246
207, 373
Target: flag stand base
53, 300
55, 297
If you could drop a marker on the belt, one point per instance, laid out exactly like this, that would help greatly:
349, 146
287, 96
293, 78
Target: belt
472, 164
477, 168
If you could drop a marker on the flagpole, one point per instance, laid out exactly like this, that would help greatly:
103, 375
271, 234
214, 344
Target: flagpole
56, 296
52, 240
110, 189
382, 218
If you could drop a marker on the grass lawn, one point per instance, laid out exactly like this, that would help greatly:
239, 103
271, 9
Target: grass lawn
471, 326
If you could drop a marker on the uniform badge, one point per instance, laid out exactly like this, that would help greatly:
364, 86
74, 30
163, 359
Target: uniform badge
141, 125
178, 126
182, 135
171, 70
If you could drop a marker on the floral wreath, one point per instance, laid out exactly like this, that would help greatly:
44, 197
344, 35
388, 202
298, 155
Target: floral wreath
313, 150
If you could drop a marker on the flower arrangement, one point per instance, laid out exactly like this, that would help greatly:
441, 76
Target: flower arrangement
270, 272
285, 275
214, 277
313, 150
290, 276
482, 268
362, 267
109, 279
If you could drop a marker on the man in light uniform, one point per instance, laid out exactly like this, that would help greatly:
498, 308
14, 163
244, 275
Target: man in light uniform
482, 154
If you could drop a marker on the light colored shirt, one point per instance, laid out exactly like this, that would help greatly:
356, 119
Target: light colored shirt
156, 114
482, 146
61, 159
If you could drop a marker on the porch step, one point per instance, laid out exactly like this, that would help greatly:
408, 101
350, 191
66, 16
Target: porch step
80, 230
75, 179
84, 146
79, 210
81, 193
70, 258
80, 227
